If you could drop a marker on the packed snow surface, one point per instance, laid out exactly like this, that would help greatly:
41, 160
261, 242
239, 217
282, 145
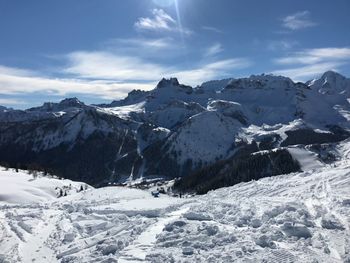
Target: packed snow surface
300, 217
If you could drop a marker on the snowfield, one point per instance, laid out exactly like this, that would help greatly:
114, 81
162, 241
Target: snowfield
301, 217
22, 188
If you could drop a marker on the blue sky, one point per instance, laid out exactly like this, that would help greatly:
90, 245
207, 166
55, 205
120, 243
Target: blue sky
100, 50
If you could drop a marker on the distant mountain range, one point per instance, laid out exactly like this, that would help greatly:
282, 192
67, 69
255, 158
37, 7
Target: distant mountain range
217, 134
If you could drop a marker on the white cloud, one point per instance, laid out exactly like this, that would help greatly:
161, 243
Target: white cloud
109, 76
15, 71
161, 21
139, 43
106, 65
124, 65
215, 70
12, 82
311, 62
10, 101
212, 29
298, 21
303, 73
150, 48
317, 55
213, 50
281, 44
157, 43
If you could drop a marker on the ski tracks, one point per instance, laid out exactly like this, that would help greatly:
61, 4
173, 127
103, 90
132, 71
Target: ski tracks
138, 250
35, 246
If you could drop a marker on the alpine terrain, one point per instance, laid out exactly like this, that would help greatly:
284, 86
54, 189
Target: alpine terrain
237, 170
207, 135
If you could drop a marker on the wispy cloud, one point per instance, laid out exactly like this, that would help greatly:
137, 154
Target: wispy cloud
15, 71
105, 65
317, 55
215, 70
311, 62
303, 73
154, 49
13, 82
108, 76
6, 101
212, 29
160, 21
213, 50
276, 45
117, 67
108, 66
147, 43
299, 20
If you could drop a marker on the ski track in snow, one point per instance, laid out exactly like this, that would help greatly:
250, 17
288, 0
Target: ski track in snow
34, 248
137, 251
301, 217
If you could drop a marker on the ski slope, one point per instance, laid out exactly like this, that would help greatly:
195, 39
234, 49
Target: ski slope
301, 217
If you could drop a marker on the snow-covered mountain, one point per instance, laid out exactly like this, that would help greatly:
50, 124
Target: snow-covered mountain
297, 217
176, 130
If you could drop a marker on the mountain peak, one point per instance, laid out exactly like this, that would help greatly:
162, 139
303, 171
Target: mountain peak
330, 82
63, 104
168, 82
332, 76
71, 102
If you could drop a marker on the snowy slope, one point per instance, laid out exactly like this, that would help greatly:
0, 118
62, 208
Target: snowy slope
22, 188
307, 159
125, 112
204, 137
301, 217
53, 124
174, 114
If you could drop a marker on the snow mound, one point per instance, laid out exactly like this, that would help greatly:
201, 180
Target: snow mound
23, 188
